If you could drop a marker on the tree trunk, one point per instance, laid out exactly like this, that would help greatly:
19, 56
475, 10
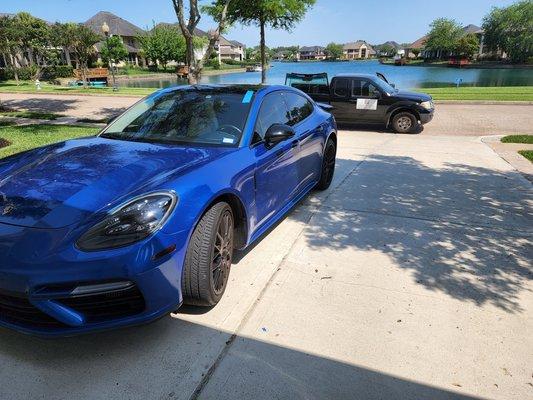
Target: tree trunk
192, 75
263, 52
14, 66
67, 56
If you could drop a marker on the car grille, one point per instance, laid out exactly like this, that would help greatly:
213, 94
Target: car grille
19, 311
106, 306
98, 307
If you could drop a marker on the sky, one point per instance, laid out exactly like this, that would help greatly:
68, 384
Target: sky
340, 21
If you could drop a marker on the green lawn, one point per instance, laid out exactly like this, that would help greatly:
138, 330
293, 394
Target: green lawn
518, 139
27, 137
527, 154
31, 114
509, 93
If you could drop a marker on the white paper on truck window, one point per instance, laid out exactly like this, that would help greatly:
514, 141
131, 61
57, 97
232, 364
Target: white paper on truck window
367, 104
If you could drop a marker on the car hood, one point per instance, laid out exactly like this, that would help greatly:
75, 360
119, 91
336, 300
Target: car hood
63, 184
415, 96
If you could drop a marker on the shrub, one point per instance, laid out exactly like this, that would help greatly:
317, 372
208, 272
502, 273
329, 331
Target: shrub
28, 73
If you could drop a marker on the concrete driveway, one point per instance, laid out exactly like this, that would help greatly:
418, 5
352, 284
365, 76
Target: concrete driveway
409, 279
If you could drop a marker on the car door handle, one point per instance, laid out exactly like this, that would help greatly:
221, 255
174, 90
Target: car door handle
295, 143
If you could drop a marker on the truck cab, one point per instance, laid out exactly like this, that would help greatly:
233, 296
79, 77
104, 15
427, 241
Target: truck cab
367, 99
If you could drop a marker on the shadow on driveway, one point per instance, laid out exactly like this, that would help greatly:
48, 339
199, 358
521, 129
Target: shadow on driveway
462, 230
160, 361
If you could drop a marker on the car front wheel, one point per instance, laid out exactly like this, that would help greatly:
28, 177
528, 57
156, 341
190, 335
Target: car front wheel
209, 256
405, 122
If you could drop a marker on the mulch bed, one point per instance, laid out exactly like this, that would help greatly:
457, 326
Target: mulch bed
4, 143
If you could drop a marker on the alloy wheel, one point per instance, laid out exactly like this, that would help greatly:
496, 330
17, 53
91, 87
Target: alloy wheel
222, 252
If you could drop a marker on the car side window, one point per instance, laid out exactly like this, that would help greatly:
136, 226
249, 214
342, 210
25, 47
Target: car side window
342, 87
273, 111
363, 88
299, 107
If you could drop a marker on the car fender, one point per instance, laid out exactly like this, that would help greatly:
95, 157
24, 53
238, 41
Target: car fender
408, 106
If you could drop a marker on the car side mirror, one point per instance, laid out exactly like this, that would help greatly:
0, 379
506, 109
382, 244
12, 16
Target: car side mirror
277, 133
393, 85
377, 95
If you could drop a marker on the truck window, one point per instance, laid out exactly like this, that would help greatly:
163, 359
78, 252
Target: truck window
363, 88
299, 107
342, 87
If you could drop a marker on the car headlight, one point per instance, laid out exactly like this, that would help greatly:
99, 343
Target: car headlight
133, 221
428, 105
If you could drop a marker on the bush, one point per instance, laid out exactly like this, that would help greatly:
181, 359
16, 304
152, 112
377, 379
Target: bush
214, 63
57, 71
28, 73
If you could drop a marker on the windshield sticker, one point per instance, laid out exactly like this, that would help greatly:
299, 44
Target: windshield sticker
247, 96
228, 140
367, 104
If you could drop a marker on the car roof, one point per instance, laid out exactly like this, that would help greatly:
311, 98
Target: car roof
237, 88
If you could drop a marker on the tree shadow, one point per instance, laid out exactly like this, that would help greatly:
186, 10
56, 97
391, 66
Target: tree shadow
169, 358
462, 230
46, 104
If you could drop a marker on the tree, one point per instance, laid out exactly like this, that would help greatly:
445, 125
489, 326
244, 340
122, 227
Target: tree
113, 50
387, 49
334, 51
416, 52
511, 29
278, 14
34, 37
443, 35
467, 45
10, 42
219, 12
164, 43
83, 46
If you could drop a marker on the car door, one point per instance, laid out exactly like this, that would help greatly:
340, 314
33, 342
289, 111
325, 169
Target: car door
276, 175
310, 136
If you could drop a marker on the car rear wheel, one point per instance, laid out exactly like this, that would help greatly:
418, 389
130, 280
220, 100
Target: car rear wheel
405, 122
328, 165
208, 259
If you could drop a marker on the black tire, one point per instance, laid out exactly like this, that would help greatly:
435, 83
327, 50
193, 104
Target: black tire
405, 122
328, 165
208, 258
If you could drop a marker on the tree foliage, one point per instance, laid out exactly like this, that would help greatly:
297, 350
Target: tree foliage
511, 29
164, 43
278, 14
83, 46
444, 35
334, 51
467, 45
113, 50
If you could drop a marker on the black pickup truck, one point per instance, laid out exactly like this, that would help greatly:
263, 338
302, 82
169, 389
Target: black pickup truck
366, 99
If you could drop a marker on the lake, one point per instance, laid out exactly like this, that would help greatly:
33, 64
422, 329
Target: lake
404, 77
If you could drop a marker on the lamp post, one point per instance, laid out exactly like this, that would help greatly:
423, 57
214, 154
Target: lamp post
105, 30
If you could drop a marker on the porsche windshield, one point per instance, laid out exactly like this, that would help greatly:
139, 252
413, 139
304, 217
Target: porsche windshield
212, 116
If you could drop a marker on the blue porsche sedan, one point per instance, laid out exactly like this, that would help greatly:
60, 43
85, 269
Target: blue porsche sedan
123, 228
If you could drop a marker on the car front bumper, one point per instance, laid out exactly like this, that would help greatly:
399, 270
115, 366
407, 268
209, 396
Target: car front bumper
69, 292
427, 116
